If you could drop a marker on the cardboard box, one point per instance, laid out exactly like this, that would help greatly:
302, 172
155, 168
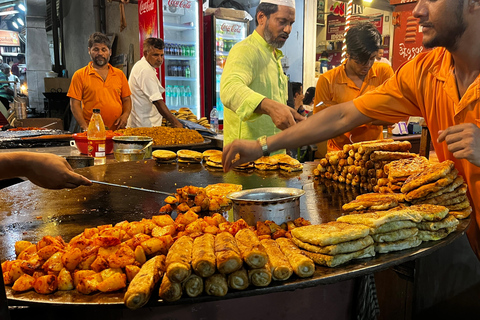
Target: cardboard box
57, 84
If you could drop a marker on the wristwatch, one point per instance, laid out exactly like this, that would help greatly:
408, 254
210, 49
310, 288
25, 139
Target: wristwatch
263, 143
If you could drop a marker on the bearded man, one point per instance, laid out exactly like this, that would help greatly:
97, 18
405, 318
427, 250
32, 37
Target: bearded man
254, 88
101, 86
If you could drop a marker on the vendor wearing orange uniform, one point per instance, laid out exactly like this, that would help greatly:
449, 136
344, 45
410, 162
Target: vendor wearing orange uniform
441, 85
356, 76
100, 86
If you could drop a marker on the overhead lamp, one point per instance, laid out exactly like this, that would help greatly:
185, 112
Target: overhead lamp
368, 1
6, 13
20, 22
15, 24
21, 7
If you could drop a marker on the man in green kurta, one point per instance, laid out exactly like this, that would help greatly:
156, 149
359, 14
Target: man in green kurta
254, 88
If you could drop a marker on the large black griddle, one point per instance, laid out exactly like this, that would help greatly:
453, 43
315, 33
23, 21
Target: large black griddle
29, 212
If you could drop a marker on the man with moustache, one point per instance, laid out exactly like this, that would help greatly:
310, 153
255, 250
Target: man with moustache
254, 88
353, 78
441, 85
148, 105
100, 86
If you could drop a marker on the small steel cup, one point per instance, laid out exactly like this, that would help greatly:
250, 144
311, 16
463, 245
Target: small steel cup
80, 161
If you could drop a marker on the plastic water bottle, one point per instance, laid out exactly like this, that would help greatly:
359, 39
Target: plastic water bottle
214, 119
96, 138
188, 96
182, 96
187, 71
175, 96
168, 95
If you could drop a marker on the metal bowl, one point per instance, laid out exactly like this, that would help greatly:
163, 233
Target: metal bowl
80, 161
132, 143
123, 155
275, 204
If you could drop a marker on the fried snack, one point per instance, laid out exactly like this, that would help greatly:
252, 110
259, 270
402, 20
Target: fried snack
280, 267
334, 249
238, 279
426, 235
378, 201
461, 214
266, 163
302, 265
216, 285
406, 167
385, 247
170, 291
179, 258
434, 186
378, 218
333, 232
430, 212
459, 206
207, 153
428, 175
189, 156
203, 255
252, 251
214, 161
454, 186
164, 156
193, 285
384, 146
391, 155
141, 287
260, 277
393, 226
163, 136
227, 253
336, 260
395, 235
448, 221
288, 163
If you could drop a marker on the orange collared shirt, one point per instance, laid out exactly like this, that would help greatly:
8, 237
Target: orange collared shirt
334, 87
426, 86
88, 86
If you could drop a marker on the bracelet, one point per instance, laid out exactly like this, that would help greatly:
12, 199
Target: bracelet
263, 143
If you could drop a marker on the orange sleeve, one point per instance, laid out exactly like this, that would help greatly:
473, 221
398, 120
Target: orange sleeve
322, 93
75, 90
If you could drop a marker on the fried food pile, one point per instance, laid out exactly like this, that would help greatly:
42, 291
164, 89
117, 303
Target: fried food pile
211, 198
164, 136
189, 255
185, 113
362, 164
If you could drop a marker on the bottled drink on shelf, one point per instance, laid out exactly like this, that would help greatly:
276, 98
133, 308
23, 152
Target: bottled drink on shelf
214, 119
192, 51
187, 71
182, 96
184, 50
175, 96
188, 96
168, 95
96, 138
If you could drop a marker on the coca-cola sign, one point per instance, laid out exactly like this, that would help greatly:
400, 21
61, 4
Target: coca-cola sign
146, 6
231, 28
180, 4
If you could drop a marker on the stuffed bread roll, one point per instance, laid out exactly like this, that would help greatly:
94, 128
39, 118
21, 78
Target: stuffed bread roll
227, 253
170, 291
179, 258
260, 277
302, 265
203, 255
251, 249
281, 268
193, 285
216, 285
238, 280
141, 286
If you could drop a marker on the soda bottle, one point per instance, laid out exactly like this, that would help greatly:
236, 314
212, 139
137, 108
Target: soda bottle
187, 71
192, 51
96, 138
214, 119
184, 50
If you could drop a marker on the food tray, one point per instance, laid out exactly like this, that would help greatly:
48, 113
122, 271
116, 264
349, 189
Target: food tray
182, 146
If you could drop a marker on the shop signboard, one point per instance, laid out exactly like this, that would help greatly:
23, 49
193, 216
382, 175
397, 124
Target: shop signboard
9, 38
147, 20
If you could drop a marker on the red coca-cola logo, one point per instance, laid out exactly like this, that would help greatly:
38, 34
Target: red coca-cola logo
146, 6
231, 28
180, 3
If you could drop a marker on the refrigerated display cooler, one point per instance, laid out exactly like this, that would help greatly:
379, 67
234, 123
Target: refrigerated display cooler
179, 24
221, 34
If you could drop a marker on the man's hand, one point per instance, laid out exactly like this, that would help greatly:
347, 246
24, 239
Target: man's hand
51, 171
463, 141
239, 152
120, 123
282, 115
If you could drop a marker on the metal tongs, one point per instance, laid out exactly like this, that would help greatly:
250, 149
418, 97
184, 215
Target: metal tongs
130, 187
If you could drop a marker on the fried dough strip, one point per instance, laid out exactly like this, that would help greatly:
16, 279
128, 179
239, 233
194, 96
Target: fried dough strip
238, 280
281, 268
260, 277
253, 253
141, 286
203, 255
179, 258
227, 253
302, 265
193, 285
170, 291
216, 285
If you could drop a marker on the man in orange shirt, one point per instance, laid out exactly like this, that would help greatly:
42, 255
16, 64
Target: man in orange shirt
441, 85
100, 86
356, 76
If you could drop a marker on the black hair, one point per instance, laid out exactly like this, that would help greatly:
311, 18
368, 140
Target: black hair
324, 54
98, 37
150, 43
296, 88
20, 56
309, 95
267, 9
362, 40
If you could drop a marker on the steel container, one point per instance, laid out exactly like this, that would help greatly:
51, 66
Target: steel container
132, 143
122, 155
275, 204
80, 161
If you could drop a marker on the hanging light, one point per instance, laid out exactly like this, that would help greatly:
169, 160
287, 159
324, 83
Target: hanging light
20, 21
21, 7
15, 24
